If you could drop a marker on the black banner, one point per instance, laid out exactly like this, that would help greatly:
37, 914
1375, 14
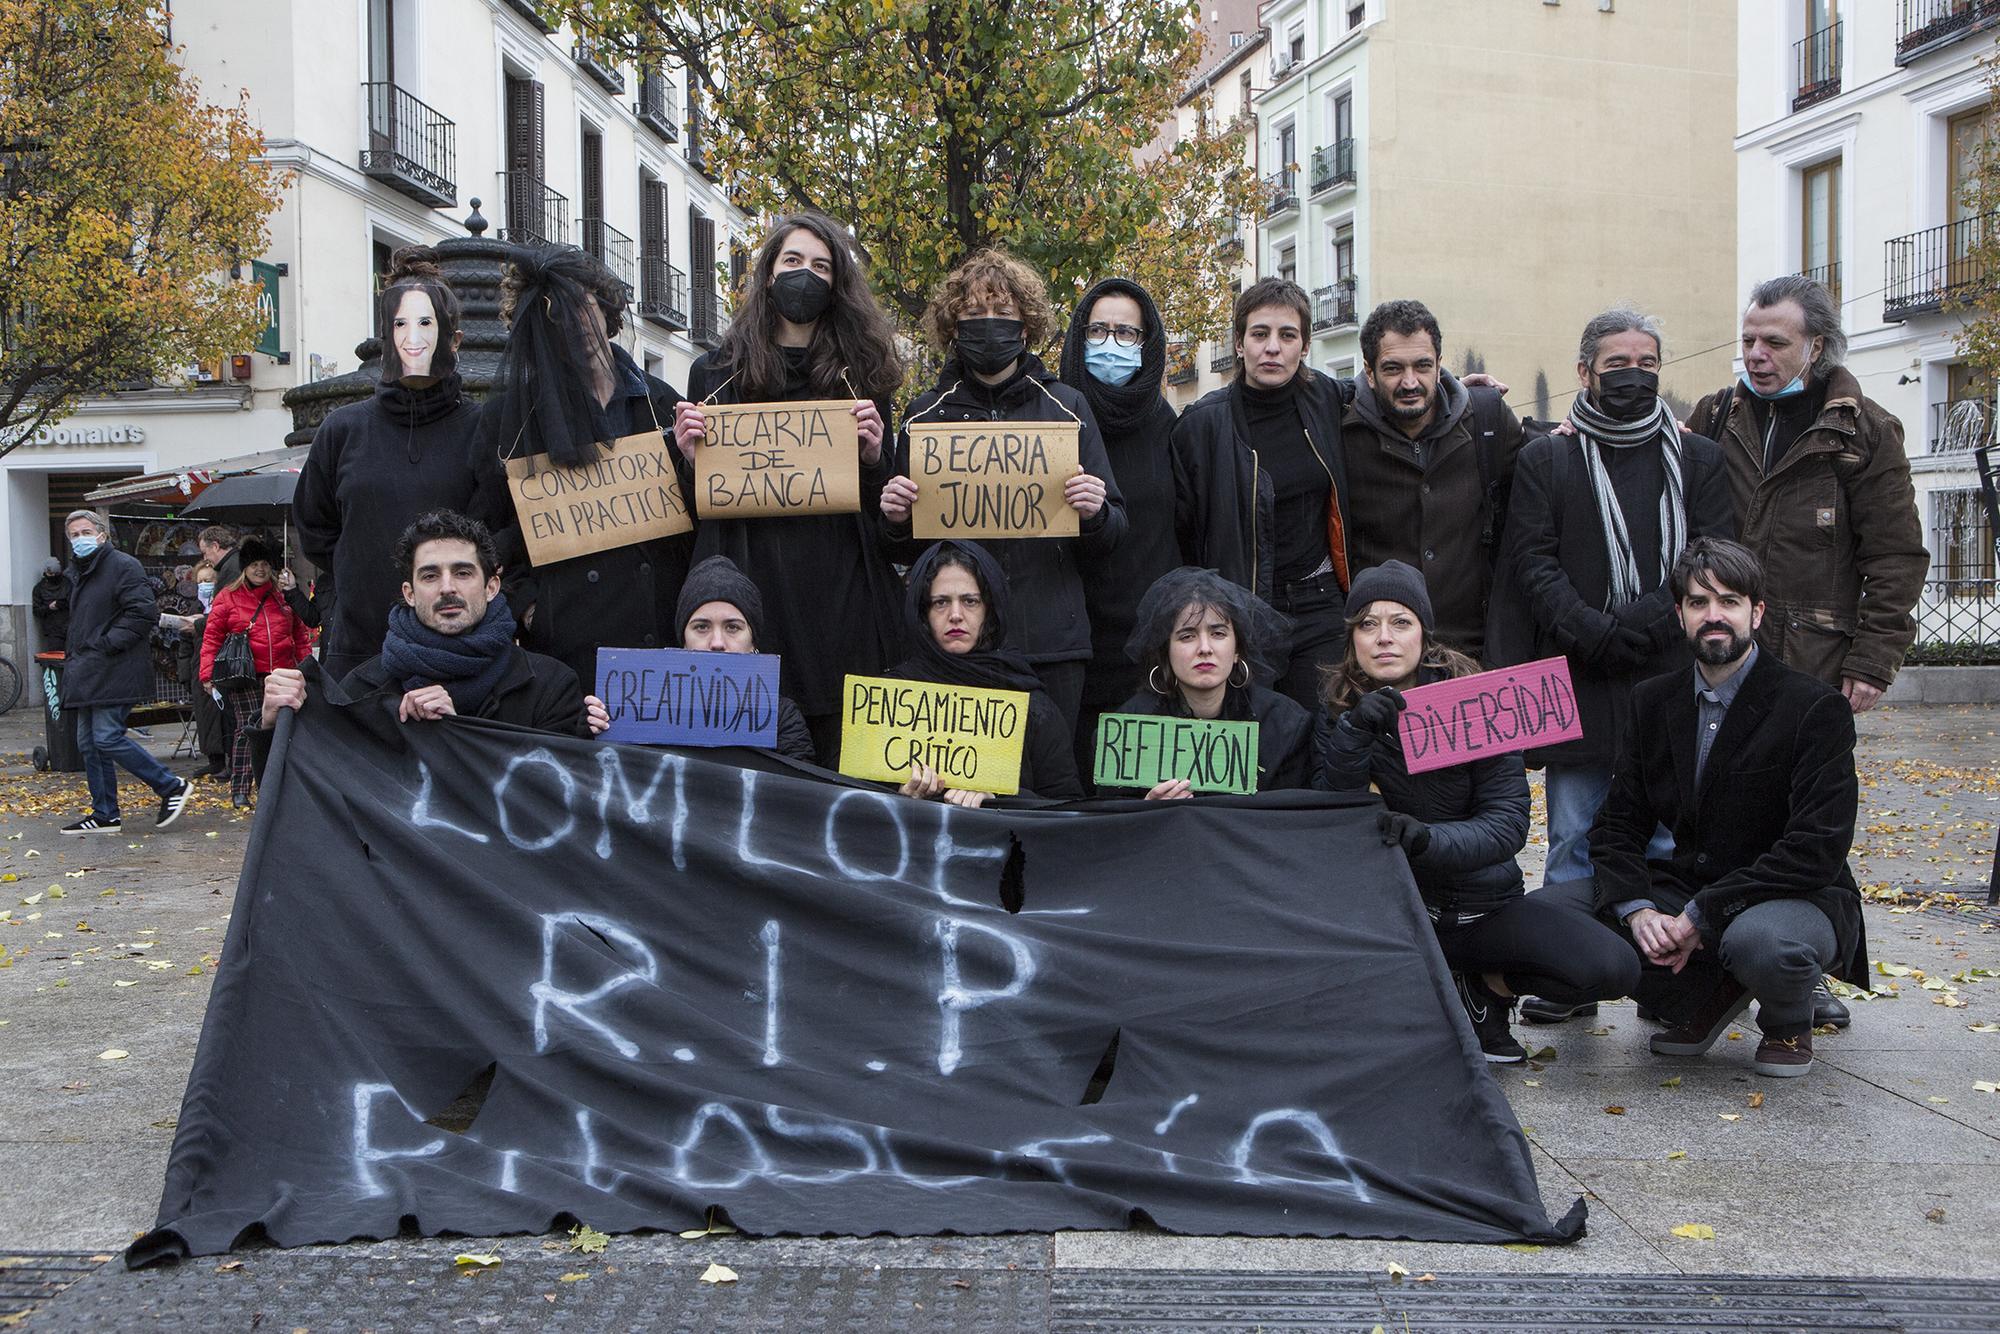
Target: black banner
817, 1008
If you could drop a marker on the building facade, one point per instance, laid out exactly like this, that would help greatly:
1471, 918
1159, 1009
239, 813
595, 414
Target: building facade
1858, 125
391, 118
1516, 165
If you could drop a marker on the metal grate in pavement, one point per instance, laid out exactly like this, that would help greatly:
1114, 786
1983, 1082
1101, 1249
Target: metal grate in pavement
29, 1278
1129, 1301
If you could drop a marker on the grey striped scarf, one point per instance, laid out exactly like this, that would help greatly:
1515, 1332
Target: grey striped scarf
1594, 432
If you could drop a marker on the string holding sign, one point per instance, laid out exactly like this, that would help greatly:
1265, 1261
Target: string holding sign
1468, 717
971, 737
756, 460
992, 479
631, 494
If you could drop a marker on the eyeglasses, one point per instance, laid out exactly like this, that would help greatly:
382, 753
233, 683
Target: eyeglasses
1123, 334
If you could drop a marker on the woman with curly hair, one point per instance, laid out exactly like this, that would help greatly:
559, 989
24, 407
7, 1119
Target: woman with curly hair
986, 318
1199, 639
1460, 827
808, 327
376, 465
564, 389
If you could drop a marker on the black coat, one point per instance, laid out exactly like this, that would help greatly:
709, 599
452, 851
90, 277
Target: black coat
1224, 500
370, 473
1477, 813
1114, 581
1773, 817
832, 602
1050, 622
113, 612
795, 739
1286, 734
621, 598
1554, 585
51, 603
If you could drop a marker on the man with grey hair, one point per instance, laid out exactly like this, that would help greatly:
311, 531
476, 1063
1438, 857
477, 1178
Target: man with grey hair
1822, 493
107, 668
1597, 519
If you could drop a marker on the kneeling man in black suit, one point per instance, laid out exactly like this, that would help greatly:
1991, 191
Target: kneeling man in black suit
1750, 764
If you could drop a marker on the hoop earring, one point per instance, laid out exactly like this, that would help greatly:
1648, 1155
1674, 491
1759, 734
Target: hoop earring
1246, 674
1152, 683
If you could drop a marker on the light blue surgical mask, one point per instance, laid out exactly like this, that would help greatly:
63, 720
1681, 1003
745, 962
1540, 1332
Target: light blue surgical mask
1111, 363
1792, 390
82, 547
206, 592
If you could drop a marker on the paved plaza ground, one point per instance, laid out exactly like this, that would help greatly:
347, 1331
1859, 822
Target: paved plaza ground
1877, 1176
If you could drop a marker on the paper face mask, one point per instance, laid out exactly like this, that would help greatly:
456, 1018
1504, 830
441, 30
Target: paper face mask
414, 331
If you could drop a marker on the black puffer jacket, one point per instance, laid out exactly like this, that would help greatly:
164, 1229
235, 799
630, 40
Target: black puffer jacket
1477, 813
112, 615
1287, 739
1050, 622
1223, 499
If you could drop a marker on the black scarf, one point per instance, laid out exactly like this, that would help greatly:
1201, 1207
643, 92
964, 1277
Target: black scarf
1118, 408
986, 669
420, 407
469, 666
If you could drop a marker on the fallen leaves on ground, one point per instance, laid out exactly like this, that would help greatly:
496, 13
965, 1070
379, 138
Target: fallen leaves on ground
574, 1277
475, 1260
1677, 1154
587, 1240
1673, 1083
1695, 1232
718, 1274
113, 1054
1614, 1110
1756, 1100
1934, 1215
1397, 1273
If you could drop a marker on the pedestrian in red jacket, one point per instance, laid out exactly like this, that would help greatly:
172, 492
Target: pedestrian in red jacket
255, 606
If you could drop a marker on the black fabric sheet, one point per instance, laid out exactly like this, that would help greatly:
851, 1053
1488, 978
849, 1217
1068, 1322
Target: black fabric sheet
817, 1008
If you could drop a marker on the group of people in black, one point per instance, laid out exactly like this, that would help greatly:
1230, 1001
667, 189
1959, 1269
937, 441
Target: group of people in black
1293, 549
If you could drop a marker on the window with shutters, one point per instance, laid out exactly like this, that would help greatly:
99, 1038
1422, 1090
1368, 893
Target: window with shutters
535, 213
662, 287
701, 278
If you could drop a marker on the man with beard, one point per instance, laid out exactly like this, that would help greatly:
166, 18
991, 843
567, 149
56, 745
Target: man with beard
1750, 764
1429, 461
449, 649
1595, 523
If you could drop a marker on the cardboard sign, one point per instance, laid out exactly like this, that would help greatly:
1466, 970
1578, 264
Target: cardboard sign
631, 494
1492, 713
992, 479
760, 459
971, 737
1141, 750
671, 697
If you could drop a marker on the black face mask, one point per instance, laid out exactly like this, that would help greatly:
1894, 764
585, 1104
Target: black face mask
1627, 394
987, 346
801, 295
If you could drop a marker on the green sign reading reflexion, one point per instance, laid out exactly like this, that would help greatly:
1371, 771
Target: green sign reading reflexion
1142, 750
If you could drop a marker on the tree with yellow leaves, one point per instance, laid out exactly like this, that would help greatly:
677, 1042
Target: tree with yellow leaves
935, 127
124, 200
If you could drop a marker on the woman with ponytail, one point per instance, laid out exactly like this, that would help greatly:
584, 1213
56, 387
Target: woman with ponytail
566, 390
376, 465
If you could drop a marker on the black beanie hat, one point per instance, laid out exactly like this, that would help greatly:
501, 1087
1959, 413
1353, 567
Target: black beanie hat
718, 580
257, 547
1392, 581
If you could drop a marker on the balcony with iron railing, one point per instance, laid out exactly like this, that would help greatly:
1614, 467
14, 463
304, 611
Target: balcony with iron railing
663, 292
535, 12
1333, 165
1228, 235
1281, 192
609, 245
1222, 355
706, 326
599, 59
1816, 67
1333, 307
695, 148
1827, 276
410, 147
1181, 365
656, 105
535, 214
1926, 25
1929, 268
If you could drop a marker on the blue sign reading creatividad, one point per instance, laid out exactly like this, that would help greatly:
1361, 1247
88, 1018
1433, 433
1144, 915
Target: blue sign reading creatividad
671, 697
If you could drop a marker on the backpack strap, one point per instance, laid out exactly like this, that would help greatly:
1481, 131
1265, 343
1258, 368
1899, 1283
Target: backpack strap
1486, 415
1718, 419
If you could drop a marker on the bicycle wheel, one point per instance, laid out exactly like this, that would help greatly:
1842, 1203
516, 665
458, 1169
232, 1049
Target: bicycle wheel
10, 684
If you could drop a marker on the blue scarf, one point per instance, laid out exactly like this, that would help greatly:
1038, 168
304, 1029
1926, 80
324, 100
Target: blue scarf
469, 665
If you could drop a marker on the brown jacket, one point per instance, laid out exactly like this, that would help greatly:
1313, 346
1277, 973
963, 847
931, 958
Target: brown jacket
1836, 527
1424, 502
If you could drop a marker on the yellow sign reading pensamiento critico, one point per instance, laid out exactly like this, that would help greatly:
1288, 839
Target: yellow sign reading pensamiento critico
971, 737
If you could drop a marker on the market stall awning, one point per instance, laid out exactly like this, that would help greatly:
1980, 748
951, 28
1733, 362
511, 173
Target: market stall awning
177, 486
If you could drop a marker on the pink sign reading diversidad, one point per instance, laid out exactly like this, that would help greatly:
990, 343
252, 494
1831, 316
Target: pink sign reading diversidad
1492, 713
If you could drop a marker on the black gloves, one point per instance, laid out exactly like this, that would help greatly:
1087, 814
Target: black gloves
1375, 712
1406, 831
